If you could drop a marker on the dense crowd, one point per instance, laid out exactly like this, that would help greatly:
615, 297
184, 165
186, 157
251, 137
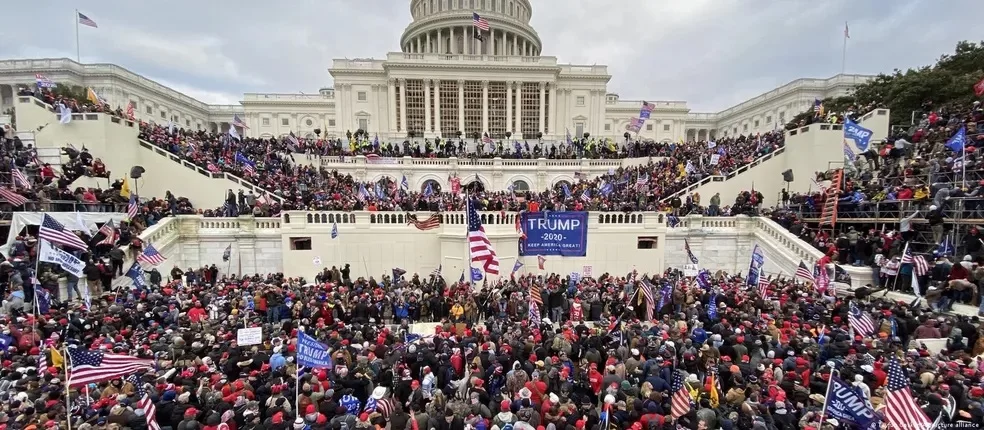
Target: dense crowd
268, 163
588, 356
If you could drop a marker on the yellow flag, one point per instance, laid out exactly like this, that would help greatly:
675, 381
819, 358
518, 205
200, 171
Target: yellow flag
56, 358
90, 94
715, 401
125, 189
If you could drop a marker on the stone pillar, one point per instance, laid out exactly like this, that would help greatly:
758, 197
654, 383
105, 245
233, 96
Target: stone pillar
466, 47
485, 106
491, 41
552, 122
440, 42
461, 106
515, 49
427, 49
437, 106
519, 109
452, 43
543, 106
403, 106
391, 93
502, 47
509, 88
427, 107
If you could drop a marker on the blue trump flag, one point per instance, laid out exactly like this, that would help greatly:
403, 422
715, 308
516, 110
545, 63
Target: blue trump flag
958, 141
846, 404
860, 135
476, 274
311, 353
136, 274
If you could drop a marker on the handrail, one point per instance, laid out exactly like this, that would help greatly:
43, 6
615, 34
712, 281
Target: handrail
207, 173
955, 209
68, 206
729, 176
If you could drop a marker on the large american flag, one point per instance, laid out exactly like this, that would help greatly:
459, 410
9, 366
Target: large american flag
534, 314
680, 402
132, 208
901, 409
535, 294
54, 232
860, 321
479, 245
19, 179
145, 403
803, 272
84, 20
151, 256
432, 222
480, 22
96, 366
763, 284
919, 265
11, 197
108, 231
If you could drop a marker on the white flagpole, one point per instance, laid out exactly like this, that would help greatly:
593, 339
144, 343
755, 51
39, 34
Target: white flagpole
78, 52
826, 395
844, 51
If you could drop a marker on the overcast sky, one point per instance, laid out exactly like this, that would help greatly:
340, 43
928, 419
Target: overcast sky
710, 53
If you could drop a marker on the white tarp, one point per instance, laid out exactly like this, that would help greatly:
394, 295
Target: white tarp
71, 221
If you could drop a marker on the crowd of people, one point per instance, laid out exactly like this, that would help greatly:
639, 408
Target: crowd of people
588, 355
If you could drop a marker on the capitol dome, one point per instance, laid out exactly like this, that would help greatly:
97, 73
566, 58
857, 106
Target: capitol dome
446, 27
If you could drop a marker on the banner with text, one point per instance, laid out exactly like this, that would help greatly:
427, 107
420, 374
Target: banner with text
555, 233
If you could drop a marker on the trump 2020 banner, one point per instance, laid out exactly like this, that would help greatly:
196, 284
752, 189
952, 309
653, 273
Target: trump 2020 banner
555, 233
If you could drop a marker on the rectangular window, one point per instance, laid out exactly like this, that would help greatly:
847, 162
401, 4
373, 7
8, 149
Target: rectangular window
744, 127
473, 108
331, 123
135, 108
768, 119
580, 100
415, 106
756, 123
163, 114
150, 110
531, 110
648, 242
449, 107
666, 127
364, 124
578, 130
187, 123
300, 244
608, 127
284, 121
649, 127
266, 122
362, 96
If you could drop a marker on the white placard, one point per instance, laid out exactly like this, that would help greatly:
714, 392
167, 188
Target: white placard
316, 261
249, 336
586, 272
690, 270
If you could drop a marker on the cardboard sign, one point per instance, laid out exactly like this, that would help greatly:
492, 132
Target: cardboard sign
316, 261
249, 336
690, 270
586, 271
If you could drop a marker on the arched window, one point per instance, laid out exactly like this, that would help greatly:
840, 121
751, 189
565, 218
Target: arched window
435, 187
310, 136
559, 186
475, 186
520, 185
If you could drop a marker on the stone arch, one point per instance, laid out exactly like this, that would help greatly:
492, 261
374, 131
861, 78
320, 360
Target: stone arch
382, 176
701, 134
530, 183
433, 183
266, 136
691, 135
467, 182
562, 178
310, 136
418, 183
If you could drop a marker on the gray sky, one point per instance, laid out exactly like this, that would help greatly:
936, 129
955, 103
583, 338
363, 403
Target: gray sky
710, 53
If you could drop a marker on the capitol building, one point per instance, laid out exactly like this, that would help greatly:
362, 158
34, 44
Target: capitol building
449, 79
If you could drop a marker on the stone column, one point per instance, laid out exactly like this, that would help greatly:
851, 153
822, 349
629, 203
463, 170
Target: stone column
519, 109
543, 106
440, 42
427, 107
464, 41
403, 106
503, 45
491, 41
437, 106
461, 105
391, 93
485, 106
524, 47
452, 42
509, 88
427, 49
552, 122
515, 49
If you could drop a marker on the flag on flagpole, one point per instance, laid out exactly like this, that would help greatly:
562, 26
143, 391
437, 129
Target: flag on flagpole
84, 20
479, 22
334, 230
95, 366
132, 208
860, 321
145, 404
517, 266
690, 254
535, 293
901, 408
238, 122
54, 232
11, 197
647, 292
803, 272
534, 314
680, 403
437, 272
541, 260
151, 256
480, 247
227, 254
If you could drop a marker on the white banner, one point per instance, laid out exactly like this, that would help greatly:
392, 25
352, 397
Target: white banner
715, 159
690, 270
67, 261
249, 336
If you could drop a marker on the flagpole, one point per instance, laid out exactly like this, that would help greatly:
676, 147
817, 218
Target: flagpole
297, 389
78, 52
826, 395
68, 383
844, 51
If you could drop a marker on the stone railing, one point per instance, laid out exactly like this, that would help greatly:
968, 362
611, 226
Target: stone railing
720, 178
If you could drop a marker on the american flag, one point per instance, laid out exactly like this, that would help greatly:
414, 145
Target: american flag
534, 314
145, 403
479, 246
151, 256
680, 403
54, 232
901, 409
238, 122
535, 294
292, 142
803, 272
432, 222
108, 231
823, 281
18, 178
480, 22
132, 208
11, 197
84, 20
248, 166
541, 261
690, 254
860, 321
919, 265
486, 139
43, 81
647, 292
129, 110
643, 179
763, 284
96, 366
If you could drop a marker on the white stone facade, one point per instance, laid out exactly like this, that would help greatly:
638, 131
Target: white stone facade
444, 81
